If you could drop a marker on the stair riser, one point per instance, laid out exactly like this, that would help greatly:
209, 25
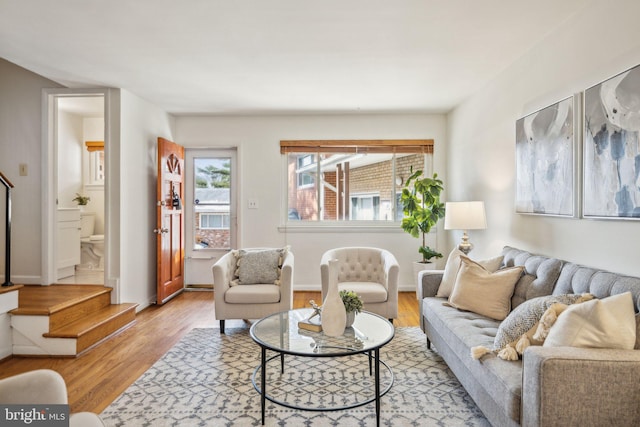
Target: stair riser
28, 340
66, 320
104, 330
78, 311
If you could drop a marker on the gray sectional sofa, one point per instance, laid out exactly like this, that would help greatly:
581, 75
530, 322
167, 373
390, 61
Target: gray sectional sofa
550, 386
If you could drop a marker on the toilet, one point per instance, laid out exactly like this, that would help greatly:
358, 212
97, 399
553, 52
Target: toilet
91, 245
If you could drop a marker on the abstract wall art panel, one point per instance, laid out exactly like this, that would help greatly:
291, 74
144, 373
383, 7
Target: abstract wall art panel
611, 165
545, 161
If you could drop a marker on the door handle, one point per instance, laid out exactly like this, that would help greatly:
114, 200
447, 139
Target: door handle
162, 230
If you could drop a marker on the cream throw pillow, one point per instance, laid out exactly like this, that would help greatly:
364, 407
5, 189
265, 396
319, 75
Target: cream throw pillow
484, 292
637, 347
600, 323
451, 271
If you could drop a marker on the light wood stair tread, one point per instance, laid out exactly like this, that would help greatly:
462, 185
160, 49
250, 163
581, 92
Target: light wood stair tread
47, 300
89, 323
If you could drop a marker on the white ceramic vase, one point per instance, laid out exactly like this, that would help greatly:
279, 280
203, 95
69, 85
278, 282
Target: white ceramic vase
351, 317
334, 315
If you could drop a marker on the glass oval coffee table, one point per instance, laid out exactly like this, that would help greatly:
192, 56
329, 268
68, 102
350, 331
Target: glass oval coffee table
279, 333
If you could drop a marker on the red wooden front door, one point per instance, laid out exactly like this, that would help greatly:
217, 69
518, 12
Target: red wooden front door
170, 224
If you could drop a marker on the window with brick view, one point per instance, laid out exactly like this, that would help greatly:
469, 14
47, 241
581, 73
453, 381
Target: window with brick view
350, 180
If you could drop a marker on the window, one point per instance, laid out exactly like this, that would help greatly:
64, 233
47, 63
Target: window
95, 175
305, 171
96, 167
350, 180
214, 221
365, 207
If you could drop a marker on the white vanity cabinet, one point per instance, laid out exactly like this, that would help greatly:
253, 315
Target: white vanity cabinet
68, 250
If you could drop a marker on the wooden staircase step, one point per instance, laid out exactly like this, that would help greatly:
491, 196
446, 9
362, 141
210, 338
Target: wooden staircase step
79, 310
96, 326
81, 314
47, 300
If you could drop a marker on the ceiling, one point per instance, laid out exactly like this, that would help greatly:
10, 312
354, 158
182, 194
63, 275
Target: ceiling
279, 56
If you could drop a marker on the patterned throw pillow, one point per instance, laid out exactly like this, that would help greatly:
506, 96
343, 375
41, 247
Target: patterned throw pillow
262, 266
525, 316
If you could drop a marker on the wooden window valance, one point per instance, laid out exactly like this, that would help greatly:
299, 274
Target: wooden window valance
94, 145
401, 146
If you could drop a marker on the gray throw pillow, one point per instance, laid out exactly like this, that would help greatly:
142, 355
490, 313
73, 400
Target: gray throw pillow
259, 266
525, 316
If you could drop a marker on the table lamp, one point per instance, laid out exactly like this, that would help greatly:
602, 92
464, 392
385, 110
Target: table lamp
465, 216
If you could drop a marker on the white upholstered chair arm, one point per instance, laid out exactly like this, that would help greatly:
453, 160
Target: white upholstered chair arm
85, 419
43, 387
39, 387
286, 279
391, 271
223, 271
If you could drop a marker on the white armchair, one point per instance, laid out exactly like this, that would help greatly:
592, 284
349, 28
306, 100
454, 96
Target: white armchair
372, 273
250, 301
43, 387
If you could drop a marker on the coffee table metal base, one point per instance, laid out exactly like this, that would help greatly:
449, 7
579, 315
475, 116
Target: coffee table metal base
375, 398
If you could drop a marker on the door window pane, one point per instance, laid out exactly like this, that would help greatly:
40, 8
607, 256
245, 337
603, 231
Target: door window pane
212, 203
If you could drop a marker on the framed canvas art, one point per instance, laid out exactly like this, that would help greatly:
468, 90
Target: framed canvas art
545, 161
611, 163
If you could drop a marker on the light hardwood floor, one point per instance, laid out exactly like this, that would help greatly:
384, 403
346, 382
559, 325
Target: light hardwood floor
98, 376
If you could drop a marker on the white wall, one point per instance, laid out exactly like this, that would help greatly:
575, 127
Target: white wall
598, 42
69, 158
20, 142
141, 125
261, 178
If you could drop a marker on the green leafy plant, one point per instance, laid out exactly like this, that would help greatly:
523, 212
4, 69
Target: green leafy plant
351, 301
82, 200
422, 209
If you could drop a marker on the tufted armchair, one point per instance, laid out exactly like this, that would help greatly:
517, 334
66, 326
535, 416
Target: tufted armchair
372, 273
43, 387
250, 301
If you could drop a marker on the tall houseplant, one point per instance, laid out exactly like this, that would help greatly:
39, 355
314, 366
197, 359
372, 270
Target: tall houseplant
422, 209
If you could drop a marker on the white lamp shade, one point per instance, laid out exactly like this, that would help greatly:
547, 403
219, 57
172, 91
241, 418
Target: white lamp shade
465, 216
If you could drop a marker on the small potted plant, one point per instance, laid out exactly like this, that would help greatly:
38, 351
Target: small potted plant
82, 200
352, 305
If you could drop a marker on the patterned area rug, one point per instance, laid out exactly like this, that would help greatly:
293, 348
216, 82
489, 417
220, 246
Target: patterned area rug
205, 380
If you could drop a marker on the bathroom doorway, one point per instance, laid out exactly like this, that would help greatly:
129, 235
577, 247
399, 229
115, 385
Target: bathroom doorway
81, 176
75, 202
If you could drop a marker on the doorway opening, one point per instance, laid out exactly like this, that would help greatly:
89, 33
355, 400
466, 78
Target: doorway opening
74, 188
